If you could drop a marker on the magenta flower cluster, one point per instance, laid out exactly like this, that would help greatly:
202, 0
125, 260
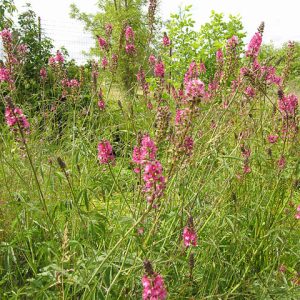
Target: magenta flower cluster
129, 37
145, 157
153, 287
15, 116
254, 45
288, 104
189, 237
105, 152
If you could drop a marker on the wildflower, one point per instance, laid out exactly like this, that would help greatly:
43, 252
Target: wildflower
129, 34
6, 35
159, 69
189, 235
101, 104
281, 162
166, 40
154, 180
273, 138
153, 288
105, 152
14, 116
247, 168
181, 116
4, 75
130, 48
297, 216
288, 104
188, 145
152, 59
104, 63
22, 49
102, 43
153, 284
43, 73
195, 88
202, 68
250, 92
232, 42
59, 57
254, 45
219, 56
192, 73
146, 152
108, 29
73, 83
51, 61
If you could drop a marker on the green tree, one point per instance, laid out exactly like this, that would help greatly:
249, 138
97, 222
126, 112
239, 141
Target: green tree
39, 46
188, 44
7, 8
119, 13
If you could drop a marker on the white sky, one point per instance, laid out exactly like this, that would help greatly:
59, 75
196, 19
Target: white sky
281, 17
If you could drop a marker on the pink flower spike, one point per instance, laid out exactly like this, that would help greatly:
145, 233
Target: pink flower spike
166, 40
105, 152
159, 69
254, 45
189, 237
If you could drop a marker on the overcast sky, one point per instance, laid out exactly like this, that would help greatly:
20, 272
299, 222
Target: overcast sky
281, 17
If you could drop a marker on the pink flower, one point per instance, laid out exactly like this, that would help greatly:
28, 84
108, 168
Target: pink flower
152, 59
105, 152
288, 104
247, 168
108, 29
188, 145
281, 162
181, 116
297, 216
130, 48
59, 57
189, 237
153, 287
219, 56
192, 73
154, 181
202, 68
104, 63
159, 69
146, 152
15, 116
129, 34
22, 49
250, 92
195, 88
51, 61
6, 35
4, 75
43, 73
232, 42
102, 43
73, 83
140, 76
273, 138
101, 104
166, 40
254, 45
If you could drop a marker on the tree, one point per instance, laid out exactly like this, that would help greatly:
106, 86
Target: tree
119, 14
201, 45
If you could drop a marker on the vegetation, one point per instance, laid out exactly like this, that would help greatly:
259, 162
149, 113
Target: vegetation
184, 186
